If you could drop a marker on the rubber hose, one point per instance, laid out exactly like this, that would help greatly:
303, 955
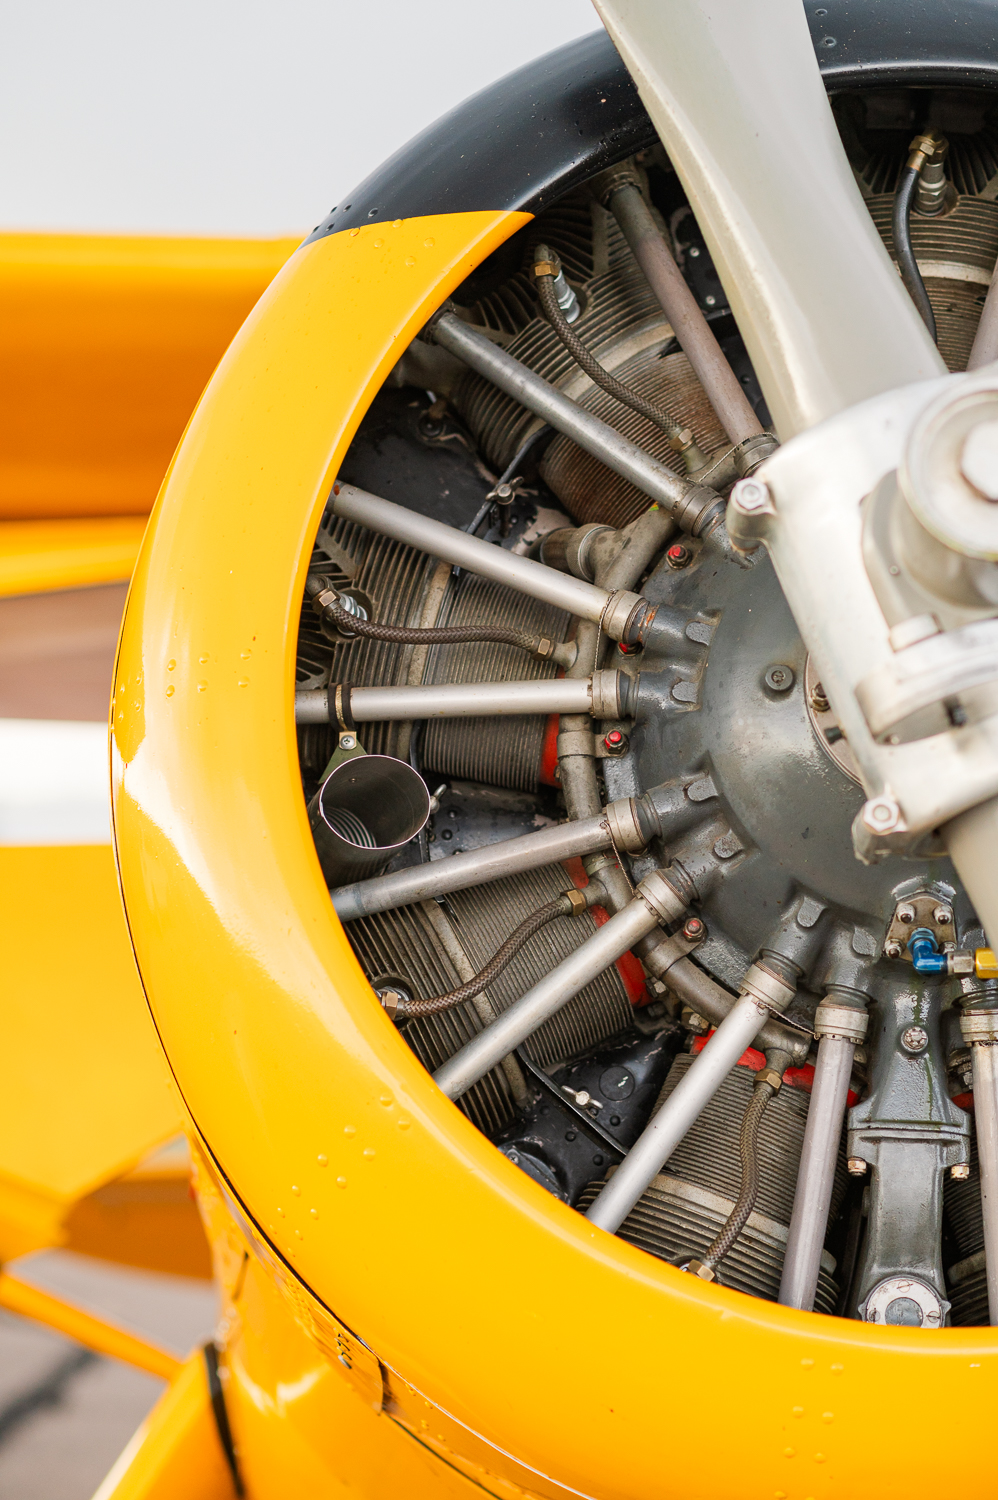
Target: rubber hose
748, 1141
910, 274
592, 367
561, 907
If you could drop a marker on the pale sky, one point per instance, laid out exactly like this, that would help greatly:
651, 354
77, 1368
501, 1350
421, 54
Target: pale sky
235, 116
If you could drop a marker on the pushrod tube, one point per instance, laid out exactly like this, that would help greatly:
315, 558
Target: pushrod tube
573, 595
626, 202
684, 1105
477, 867
839, 1032
655, 902
980, 1029
606, 695
690, 504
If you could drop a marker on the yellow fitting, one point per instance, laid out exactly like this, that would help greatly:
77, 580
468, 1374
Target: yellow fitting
545, 268
923, 148
986, 963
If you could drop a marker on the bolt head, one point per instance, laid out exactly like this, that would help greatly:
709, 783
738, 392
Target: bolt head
892, 949
678, 556
694, 929
906, 914
915, 1039
857, 1166
750, 496
960, 1172
942, 916
881, 814
779, 678
347, 741
979, 459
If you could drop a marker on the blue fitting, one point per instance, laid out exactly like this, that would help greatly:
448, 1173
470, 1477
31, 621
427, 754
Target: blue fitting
925, 954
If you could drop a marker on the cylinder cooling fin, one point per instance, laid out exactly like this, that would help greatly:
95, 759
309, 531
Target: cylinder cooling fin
616, 1031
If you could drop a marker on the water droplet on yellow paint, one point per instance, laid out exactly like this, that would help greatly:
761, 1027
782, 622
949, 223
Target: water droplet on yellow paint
170, 664
789, 1452
396, 223
314, 1212
296, 1191
429, 244
243, 682
298, 1234
202, 687
819, 1458
779, 1495
798, 1411
828, 1416
170, 691
404, 1124
341, 1182
203, 658
807, 1364
370, 1153
354, 233
410, 260
386, 1100
378, 244
281, 1212
349, 1130
322, 1160
246, 654
837, 1369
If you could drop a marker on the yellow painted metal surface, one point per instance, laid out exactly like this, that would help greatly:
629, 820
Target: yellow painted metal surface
106, 342
176, 1453
547, 1338
84, 1089
41, 556
29, 1301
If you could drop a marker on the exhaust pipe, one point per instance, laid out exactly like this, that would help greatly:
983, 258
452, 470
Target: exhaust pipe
363, 814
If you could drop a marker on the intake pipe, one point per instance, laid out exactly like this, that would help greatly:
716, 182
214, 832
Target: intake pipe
694, 507
605, 695
656, 901
979, 1029
627, 825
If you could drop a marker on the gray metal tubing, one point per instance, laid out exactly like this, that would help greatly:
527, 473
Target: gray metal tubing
985, 1065
560, 589
691, 328
456, 700
459, 871
816, 1175
545, 999
564, 414
666, 1129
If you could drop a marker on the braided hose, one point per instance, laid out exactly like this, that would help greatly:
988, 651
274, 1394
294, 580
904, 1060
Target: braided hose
748, 1141
562, 906
326, 605
680, 438
922, 148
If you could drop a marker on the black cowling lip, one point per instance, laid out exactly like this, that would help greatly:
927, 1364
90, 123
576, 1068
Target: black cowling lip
523, 142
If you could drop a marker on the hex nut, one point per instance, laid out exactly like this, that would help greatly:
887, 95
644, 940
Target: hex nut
750, 496
857, 1166
960, 1172
892, 949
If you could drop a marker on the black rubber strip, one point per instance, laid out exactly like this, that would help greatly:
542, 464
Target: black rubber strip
221, 1416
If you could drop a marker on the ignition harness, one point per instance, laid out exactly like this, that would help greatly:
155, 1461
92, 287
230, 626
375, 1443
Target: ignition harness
403, 1007
547, 273
330, 605
922, 150
766, 1086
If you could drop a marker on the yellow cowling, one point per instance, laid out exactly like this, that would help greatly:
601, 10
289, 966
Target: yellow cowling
352, 1201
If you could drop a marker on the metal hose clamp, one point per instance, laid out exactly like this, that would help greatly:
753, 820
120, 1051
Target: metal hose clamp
766, 990
624, 826
661, 896
845, 1022
979, 1026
